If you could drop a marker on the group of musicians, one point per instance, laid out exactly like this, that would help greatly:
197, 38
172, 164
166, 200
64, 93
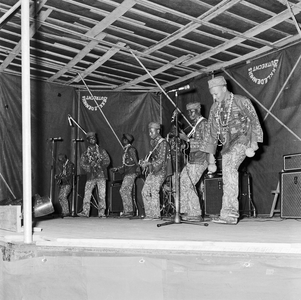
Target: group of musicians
233, 124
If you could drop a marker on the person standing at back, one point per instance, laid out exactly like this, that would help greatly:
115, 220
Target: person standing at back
190, 207
157, 167
64, 178
94, 161
129, 170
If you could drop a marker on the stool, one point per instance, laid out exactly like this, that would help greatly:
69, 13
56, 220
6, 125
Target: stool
276, 196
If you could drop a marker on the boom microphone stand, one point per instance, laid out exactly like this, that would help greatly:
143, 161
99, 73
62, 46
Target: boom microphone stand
177, 219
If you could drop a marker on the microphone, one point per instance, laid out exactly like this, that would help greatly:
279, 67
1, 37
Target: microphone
183, 88
55, 139
77, 140
69, 120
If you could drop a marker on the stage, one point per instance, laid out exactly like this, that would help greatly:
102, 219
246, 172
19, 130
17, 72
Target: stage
118, 258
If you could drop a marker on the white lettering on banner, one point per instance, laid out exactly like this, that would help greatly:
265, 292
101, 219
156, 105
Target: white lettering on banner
269, 65
89, 102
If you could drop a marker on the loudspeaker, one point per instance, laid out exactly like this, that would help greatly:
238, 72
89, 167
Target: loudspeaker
292, 162
213, 193
115, 201
290, 194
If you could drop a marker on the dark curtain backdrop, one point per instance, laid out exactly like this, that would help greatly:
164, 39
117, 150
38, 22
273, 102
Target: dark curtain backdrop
50, 106
121, 113
261, 80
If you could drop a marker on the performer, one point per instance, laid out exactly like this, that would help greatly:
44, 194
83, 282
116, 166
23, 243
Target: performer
234, 124
158, 167
94, 161
190, 208
64, 179
130, 169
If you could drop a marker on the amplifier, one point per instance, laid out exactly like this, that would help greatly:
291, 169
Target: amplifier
292, 162
290, 194
213, 193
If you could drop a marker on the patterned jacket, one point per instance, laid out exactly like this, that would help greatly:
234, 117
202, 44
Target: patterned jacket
129, 160
160, 156
65, 173
243, 126
95, 161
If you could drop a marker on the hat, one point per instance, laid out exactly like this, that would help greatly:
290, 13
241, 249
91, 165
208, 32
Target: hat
193, 105
129, 137
90, 134
154, 125
217, 81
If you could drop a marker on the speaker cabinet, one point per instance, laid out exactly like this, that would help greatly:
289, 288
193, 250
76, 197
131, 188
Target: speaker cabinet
292, 162
213, 193
115, 201
290, 194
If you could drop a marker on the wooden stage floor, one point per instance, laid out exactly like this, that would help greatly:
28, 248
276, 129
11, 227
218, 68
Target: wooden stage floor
118, 258
251, 235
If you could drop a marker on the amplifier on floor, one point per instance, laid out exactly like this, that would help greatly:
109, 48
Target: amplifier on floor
213, 193
115, 201
290, 194
292, 162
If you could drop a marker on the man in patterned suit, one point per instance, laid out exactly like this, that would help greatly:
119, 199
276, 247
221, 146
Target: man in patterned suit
234, 124
157, 166
94, 161
64, 178
129, 169
190, 208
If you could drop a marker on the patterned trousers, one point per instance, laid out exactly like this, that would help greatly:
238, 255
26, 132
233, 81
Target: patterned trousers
126, 190
63, 198
89, 187
189, 198
230, 164
151, 195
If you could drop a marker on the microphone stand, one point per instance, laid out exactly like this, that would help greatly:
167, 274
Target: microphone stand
75, 180
177, 219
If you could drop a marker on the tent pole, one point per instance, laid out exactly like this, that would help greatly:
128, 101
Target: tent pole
261, 105
26, 123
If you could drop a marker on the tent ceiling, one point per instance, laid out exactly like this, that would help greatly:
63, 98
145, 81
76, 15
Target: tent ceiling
116, 44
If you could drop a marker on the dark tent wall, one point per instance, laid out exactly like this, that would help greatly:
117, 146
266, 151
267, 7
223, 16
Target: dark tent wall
121, 113
50, 105
265, 79
261, 80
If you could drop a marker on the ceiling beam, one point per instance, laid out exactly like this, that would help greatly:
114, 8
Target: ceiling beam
33, 29
97, 33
